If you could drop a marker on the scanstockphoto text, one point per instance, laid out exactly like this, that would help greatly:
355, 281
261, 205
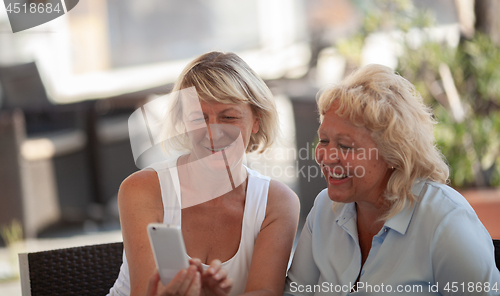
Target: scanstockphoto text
453, 287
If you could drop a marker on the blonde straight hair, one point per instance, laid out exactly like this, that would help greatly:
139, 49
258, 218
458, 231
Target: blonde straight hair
225, 78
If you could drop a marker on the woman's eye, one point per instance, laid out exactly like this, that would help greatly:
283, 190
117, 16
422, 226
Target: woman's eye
323, 141
229, 117
344, 147
198, 120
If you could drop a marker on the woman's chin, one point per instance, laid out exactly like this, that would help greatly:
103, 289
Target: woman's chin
337, 196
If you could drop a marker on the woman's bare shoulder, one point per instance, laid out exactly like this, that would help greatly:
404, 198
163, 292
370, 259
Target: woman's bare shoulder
279, 192
143, 179
141, 189
282, 202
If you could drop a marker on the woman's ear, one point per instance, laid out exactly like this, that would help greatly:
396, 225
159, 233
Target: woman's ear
255, 127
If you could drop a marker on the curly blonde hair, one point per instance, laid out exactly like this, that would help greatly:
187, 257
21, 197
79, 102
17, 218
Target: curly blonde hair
225, 78
402, 126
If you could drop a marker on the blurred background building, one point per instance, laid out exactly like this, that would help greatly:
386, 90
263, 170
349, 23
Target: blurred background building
68, 87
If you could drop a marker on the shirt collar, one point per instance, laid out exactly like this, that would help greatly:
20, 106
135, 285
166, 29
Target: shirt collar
418, 185
346, 213
401, 220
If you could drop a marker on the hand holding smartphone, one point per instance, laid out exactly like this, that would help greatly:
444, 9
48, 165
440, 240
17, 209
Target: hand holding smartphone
168, 249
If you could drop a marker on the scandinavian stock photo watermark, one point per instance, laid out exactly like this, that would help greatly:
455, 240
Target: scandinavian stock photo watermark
157, 128
296, 157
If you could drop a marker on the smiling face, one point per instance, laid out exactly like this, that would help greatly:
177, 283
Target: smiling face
219, 132
349, 159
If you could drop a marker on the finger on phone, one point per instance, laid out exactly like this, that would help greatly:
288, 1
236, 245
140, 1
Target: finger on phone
195, 286
196, 262
153, 284
220, 275
175, 284
214, 267
226, 285
184, 286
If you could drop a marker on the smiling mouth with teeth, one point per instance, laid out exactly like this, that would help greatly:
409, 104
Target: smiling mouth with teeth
337, 176
215, 150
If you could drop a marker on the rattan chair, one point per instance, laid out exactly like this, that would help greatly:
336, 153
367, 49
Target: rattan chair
89, 270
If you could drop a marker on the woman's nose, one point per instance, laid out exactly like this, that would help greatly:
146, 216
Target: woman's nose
215, 132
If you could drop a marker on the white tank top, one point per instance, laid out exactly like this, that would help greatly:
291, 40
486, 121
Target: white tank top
253, 216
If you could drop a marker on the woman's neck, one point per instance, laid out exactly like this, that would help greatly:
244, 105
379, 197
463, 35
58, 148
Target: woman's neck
199, 183
369, 214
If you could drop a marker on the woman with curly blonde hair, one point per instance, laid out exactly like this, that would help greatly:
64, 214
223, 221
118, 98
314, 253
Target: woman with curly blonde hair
395, 225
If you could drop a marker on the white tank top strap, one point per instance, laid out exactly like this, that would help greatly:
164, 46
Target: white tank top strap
253, 216
257, 190
168, 178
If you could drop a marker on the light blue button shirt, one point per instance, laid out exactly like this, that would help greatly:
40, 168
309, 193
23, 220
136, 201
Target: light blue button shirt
436, 247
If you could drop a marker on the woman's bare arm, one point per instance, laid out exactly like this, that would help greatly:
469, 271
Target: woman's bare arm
274, 243
139, 202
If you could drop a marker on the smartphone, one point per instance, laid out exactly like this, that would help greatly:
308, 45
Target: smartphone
168, 249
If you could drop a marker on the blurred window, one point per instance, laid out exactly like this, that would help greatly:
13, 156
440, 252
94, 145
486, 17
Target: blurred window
143, 32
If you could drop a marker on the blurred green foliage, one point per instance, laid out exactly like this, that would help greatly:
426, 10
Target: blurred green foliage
12, 233
472, 147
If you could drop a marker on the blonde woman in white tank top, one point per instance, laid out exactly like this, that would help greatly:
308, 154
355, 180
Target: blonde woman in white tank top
238, 229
